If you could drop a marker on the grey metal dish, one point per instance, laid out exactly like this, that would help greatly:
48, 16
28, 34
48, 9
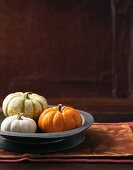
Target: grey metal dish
64, 144
50, 141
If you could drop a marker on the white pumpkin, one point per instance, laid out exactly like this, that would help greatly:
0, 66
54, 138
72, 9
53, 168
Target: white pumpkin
31, 104
18, 123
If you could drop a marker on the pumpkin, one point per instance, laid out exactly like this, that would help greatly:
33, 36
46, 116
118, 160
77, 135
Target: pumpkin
30, 104
18, 123
59, 118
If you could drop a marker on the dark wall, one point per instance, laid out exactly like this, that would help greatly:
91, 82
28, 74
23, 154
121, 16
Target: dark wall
63, 48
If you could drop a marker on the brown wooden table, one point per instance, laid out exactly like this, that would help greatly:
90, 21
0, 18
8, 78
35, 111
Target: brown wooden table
103, 110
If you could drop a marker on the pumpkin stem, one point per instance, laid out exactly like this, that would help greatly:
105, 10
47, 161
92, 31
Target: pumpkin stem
19, 116
26, 95
59, 107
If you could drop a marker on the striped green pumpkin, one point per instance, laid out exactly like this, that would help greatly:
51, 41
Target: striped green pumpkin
31, 104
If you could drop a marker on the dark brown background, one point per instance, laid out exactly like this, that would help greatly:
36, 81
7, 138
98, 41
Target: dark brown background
67, 48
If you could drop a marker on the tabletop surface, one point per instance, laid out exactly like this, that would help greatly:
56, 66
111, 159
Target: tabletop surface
103, 110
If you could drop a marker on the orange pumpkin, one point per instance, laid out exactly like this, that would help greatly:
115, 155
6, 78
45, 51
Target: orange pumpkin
59, 118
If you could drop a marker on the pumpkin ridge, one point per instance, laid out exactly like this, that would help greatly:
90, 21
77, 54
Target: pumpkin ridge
48, 112
19, 122
53, 120
64, 122
52, 112
73, 121
8, 104
9, 125
40, 104
33, 105
23, 110
43, 120
34, 124
29, 126
58, 118
29, 112
75, 116
43, 98
66, 109
12, 125
42, 115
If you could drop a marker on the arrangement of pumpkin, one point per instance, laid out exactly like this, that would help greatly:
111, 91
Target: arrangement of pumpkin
25, 111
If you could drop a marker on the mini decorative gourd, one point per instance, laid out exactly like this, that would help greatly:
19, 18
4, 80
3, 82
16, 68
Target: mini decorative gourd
18, 123
30, 104
59, 118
